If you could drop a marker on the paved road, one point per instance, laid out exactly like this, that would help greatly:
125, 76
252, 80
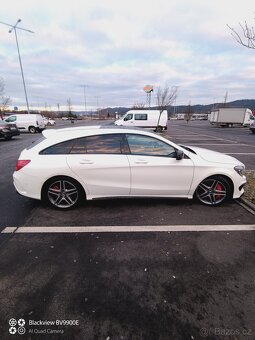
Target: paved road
238, 142
129, 285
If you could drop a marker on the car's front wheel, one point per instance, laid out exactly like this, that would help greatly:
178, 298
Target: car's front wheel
62, 193
213, 191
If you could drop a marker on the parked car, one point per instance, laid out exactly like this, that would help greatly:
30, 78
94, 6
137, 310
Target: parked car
252, 126
72, 164
8, 130
49, 121
27, 122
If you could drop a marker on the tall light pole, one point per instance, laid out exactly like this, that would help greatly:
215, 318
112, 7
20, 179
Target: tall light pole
14, 28
85, 101
176, 87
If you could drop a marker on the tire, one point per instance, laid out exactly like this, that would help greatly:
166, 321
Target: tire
32, 129
62, 193
213, 191
159, 129
8, 138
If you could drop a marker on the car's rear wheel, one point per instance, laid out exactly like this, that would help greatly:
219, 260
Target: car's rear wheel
62, 193
213, 191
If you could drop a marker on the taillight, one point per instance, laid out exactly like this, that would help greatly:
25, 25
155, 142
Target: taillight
21, 163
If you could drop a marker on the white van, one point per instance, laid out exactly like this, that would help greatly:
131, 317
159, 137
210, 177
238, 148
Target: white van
144, 118
27, 122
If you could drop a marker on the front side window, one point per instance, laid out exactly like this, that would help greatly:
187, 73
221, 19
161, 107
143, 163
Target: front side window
128, 117
141, 116
149, 146
11, 119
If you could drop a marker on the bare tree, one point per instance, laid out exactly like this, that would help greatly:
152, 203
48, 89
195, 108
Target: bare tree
189, 113
246, 36
138, 106
5, 101
165, 98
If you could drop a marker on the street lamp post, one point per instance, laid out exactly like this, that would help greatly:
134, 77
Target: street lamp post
14, 28
85, 101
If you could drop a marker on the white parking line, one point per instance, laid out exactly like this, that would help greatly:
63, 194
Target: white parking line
225, 144
130, 229
239, 153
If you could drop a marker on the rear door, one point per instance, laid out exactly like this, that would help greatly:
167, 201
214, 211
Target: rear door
99, 162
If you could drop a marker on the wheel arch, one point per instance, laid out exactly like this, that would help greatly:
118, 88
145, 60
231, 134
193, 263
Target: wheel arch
56, 177
224, 176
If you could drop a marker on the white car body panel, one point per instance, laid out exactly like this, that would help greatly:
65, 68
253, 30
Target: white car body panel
103, 175
160, 176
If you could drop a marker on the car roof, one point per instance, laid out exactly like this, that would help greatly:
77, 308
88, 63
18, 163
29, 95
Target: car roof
88, 130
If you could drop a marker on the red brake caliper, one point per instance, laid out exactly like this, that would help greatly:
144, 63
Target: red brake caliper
219, 187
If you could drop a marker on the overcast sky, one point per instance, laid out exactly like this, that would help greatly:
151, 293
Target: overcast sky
116, 47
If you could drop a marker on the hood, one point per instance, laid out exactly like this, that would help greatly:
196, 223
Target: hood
214, 156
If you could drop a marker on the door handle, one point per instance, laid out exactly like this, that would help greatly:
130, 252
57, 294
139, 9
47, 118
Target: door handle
141, 162
86, 161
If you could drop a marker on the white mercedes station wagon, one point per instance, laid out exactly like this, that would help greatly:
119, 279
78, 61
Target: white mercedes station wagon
69, 165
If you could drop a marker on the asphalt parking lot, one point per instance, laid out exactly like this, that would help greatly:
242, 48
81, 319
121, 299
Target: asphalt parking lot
155, 269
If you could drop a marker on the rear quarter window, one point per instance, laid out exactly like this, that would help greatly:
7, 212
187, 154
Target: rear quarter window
59, 149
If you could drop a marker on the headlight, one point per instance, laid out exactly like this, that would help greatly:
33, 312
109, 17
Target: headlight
240, 169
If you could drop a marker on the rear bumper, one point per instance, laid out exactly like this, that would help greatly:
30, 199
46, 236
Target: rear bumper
9, 134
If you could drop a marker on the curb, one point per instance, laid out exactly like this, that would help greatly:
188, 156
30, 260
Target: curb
247, 205
250, 205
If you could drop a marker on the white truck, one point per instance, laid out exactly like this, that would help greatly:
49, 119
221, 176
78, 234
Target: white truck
228, 117
144, 118
27, 122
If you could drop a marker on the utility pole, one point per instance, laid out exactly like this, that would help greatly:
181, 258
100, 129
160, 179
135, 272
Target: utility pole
14, 28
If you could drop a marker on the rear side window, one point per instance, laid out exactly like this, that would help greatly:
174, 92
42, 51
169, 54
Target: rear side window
101, 144
59, 149
141, 116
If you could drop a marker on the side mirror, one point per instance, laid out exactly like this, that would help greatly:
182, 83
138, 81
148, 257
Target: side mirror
179, 155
